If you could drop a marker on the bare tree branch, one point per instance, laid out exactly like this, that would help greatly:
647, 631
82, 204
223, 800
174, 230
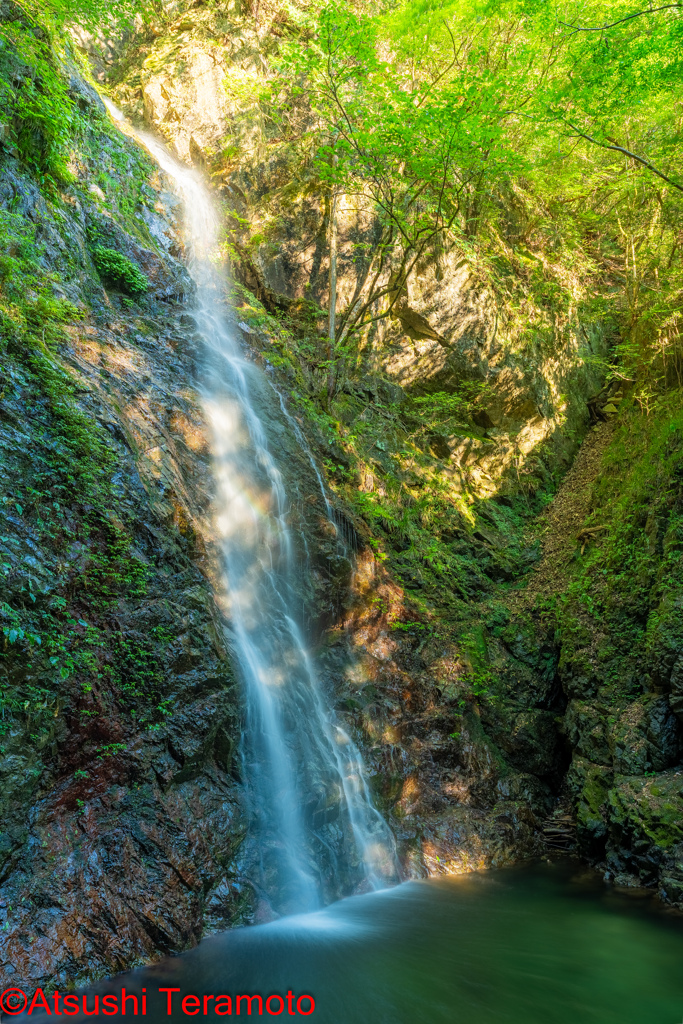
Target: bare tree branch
629, 17
456, 53
626, 152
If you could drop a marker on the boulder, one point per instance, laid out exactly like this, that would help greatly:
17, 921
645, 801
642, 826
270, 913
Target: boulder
646, 737
587, 732
646, 826
589, 784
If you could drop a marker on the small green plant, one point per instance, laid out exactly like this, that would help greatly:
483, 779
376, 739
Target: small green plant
117, 270
110, 749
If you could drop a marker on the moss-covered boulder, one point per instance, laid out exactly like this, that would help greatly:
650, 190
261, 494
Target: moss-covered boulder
586, 727
646, 826
645, 737
589, 785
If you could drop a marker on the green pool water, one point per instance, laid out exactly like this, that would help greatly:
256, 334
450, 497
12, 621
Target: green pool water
541, 945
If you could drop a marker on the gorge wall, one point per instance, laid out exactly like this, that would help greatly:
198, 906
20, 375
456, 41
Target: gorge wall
510, 666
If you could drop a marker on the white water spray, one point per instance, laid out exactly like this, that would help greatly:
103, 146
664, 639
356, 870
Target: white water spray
313, 827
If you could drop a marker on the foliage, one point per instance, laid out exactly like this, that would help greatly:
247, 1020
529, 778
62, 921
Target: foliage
59, 494
34, 99
117, 270
620, 608
38, 114
543, 154
93, 14
421, 156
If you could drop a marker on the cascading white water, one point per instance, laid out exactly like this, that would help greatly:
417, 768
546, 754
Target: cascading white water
313, 826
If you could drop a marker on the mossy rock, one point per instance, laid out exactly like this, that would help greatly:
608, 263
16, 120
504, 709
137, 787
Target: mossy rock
586, 730
645, 737
589, 785
646, 824
528, 738
576, 670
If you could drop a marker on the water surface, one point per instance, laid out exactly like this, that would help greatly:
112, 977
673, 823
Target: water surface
541, 945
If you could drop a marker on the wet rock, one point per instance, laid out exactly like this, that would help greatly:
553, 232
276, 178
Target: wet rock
577, 674
462, 840
528, 738
646, 737
167, 277
587, 731
646, 826
527, 789
84, 95
676, 683
671, 876
120, 810
589, 786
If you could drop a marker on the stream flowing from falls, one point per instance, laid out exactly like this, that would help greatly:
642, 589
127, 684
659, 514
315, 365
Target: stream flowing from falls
314, 833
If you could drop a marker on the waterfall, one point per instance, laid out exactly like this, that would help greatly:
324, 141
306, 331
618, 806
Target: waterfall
314, 833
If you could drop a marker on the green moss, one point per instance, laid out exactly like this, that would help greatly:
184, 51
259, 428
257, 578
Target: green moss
56, 636
651, 808
42, 118
593, 798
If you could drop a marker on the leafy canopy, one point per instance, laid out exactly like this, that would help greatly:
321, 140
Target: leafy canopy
91, 14
449, 120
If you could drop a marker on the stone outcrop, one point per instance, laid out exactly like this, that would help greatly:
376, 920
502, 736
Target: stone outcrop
610, 594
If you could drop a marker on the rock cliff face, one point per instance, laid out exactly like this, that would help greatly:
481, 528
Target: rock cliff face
602, 609
194, 80
120, 813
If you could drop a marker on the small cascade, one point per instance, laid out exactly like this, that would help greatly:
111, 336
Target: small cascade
314, 833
